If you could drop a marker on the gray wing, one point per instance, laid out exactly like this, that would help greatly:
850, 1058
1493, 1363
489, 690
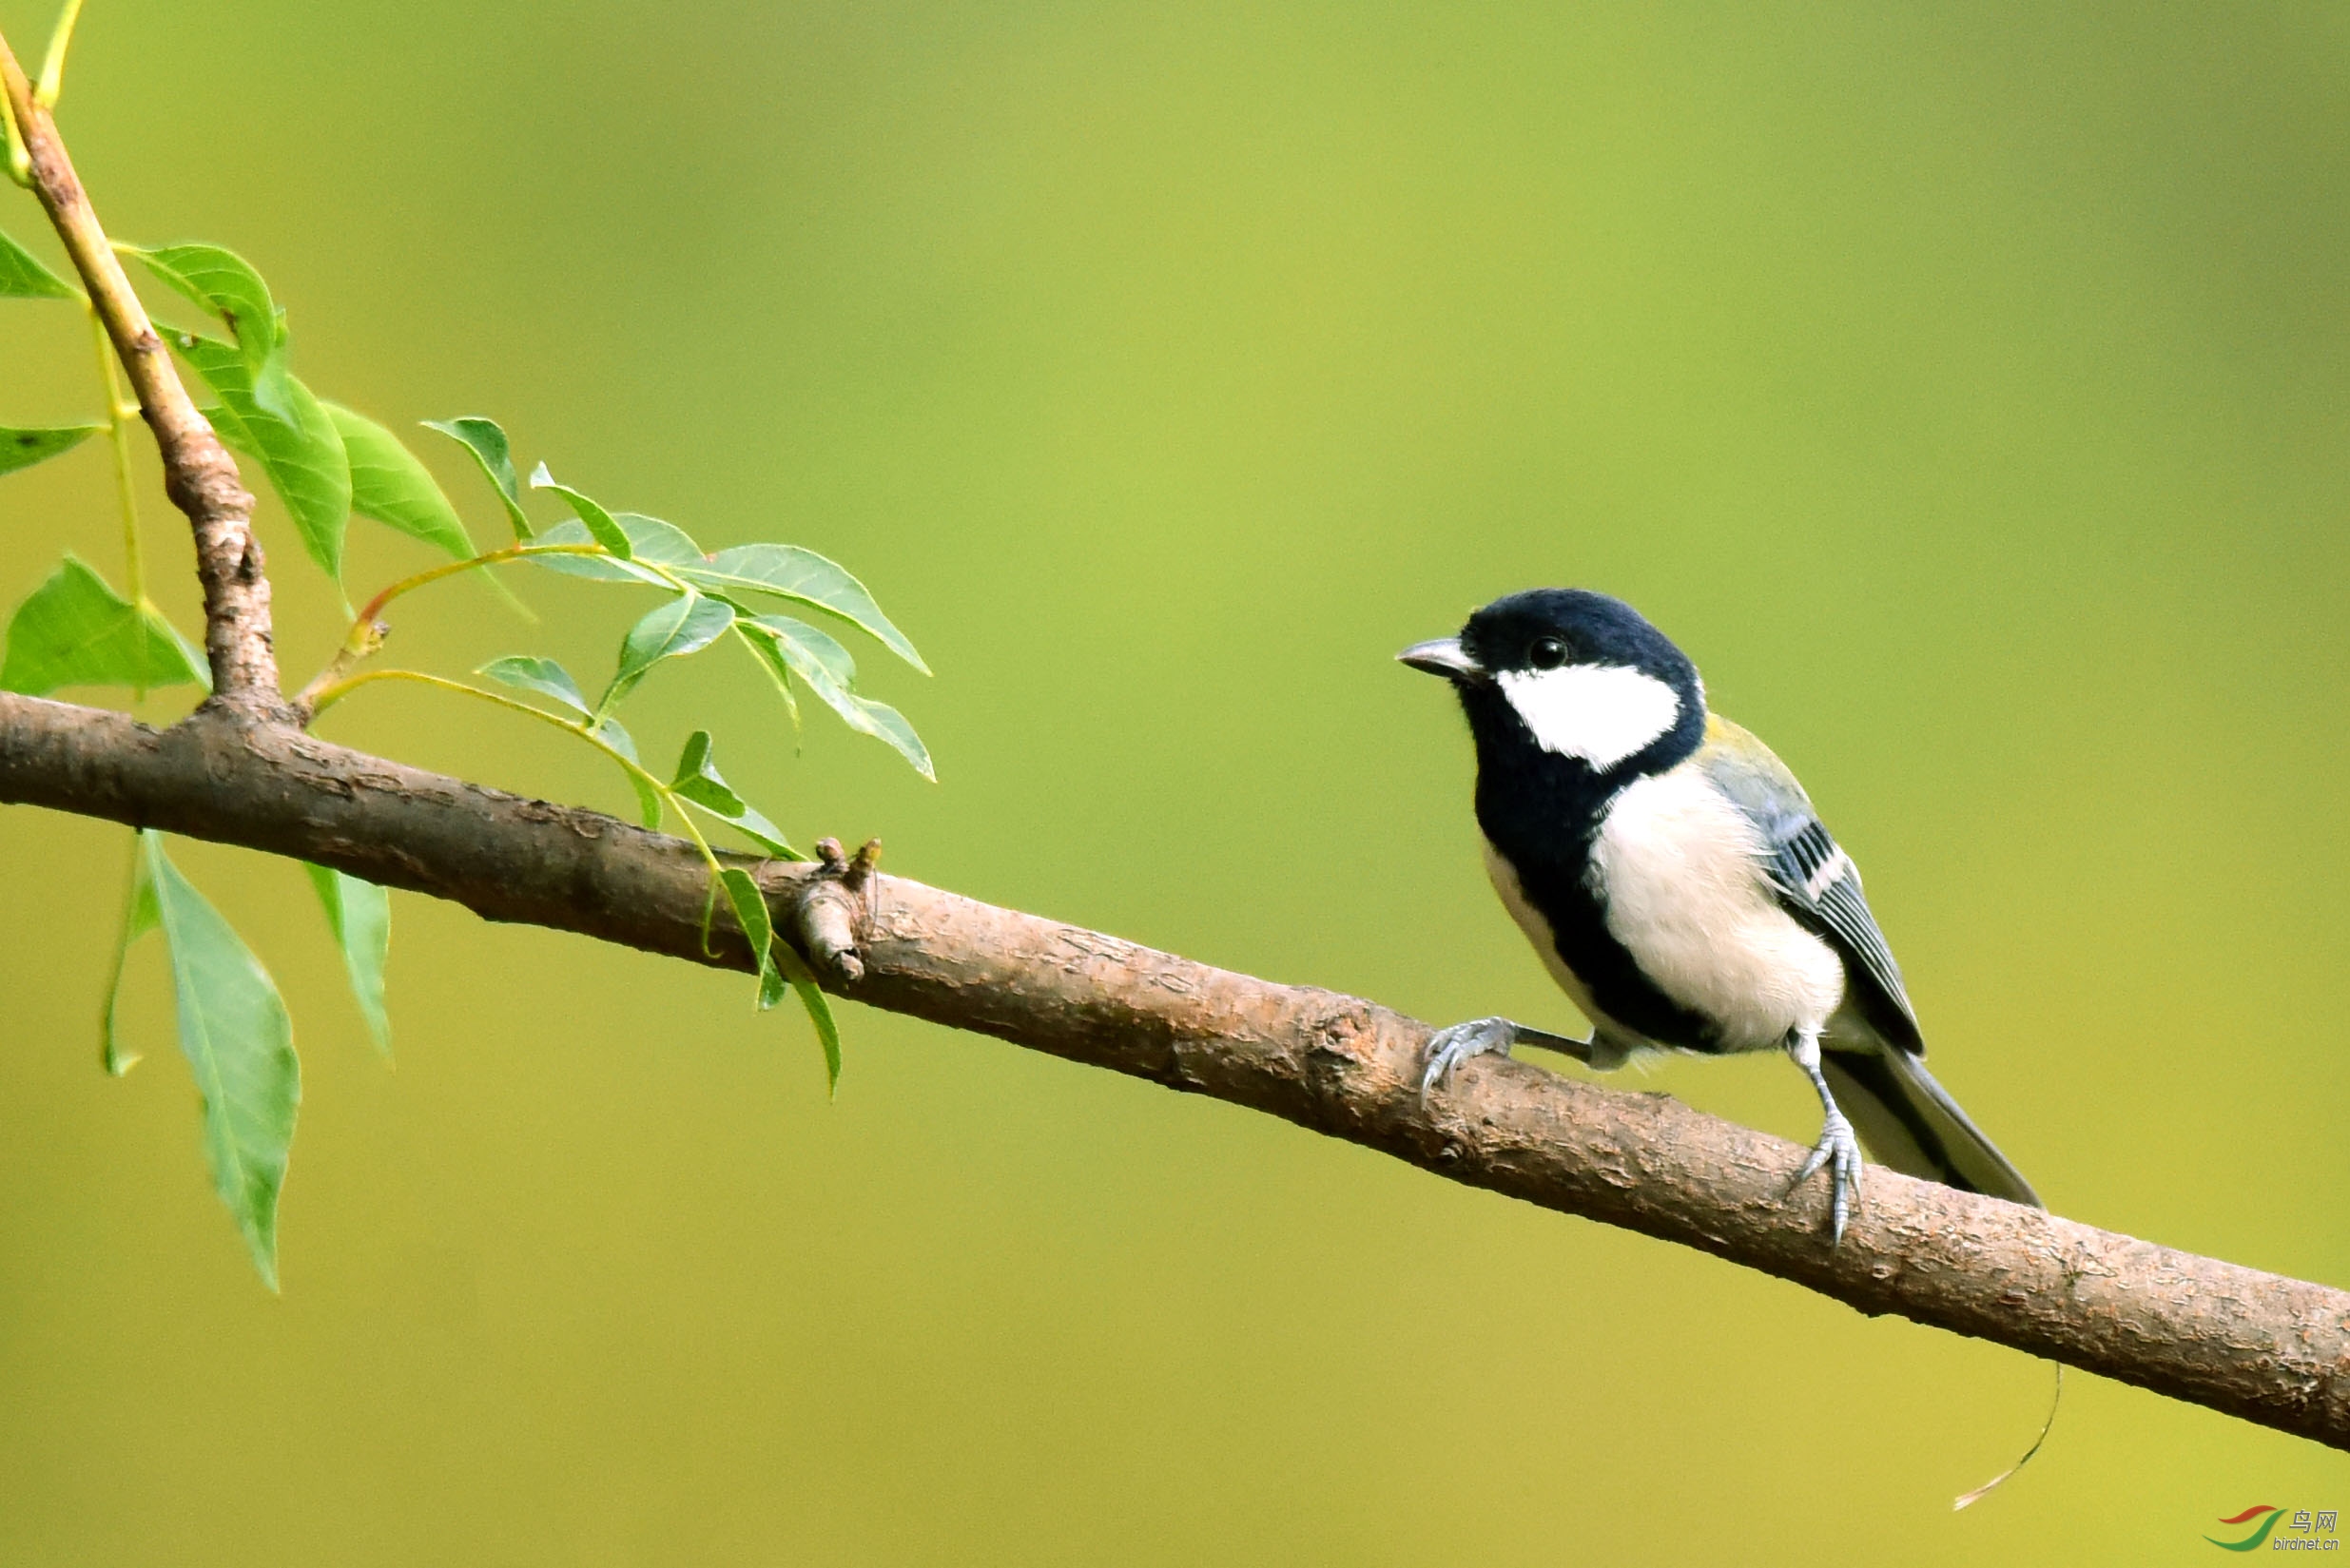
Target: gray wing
1814, 879
1820, 886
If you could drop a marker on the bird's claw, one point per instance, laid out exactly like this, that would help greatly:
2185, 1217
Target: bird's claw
1839, 1151
1449, 1048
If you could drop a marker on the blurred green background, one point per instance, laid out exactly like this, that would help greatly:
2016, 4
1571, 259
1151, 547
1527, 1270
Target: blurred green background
1965, 391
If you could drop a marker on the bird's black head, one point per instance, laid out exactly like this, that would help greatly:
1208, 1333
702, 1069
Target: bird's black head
1569, 685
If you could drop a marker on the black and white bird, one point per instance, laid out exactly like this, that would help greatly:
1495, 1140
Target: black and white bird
1676, 881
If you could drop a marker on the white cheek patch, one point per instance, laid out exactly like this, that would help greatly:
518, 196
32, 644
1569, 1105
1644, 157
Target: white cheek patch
1602, 713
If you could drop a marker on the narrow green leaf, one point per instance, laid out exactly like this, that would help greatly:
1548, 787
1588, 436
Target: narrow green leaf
543, 676
23, 446
23, 278
819, 1009
698, 781
359, 915
650, 542
763, 649
751, 912
550, 679
389, 484
685, 623
818, 650
599, 522
238, 1039
139, 917
298, 446
647, 799
789, 646
75, 630
790, 573
225, 284
617, 738
486, 442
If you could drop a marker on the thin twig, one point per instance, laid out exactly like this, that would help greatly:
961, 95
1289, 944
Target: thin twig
198, 474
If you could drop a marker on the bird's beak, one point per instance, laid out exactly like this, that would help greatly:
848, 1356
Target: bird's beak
1443, 656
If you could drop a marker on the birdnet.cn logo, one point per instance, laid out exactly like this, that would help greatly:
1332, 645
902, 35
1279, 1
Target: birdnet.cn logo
2301, 1530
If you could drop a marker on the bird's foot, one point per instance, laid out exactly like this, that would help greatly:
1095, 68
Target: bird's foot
1449, 1048
1839, 1151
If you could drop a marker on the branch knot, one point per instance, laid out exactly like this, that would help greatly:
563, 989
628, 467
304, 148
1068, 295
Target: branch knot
833, 906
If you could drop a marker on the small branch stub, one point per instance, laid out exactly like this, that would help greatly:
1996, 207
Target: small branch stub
831, 906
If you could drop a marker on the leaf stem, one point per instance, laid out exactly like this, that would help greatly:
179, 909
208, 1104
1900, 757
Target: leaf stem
126, 487
20, 156
53, 80
116, 1063
450, 568
335, 693
366, 633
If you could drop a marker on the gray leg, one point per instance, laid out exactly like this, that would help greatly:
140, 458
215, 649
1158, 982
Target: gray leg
1581, 1050
1838, 1149
1449, 1048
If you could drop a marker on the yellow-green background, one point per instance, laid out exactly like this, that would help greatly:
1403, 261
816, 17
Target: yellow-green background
1968, 393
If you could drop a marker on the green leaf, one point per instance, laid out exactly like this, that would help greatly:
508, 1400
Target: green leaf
139, 917
698, 781
790, 573
299, 447
23, 278
550, 679
23, 446
225, 284
650, 541
486, 442
389, 484
647, 799
543, 676
231, 431
685, 623
599, 522
238, 1039
75, 630
359, 915
751, 912
819, 1011
817, 651
794, 648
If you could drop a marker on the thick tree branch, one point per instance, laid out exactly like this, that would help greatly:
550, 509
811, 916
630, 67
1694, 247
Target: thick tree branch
198, 474
2270, 1350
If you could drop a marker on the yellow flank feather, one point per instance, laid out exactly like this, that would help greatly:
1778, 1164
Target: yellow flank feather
1738, 748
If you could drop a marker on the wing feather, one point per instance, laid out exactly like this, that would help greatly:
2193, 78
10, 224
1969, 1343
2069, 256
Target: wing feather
1815, 878
1820, 886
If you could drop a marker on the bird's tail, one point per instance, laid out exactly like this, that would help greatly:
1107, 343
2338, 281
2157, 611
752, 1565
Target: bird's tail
1911, 1123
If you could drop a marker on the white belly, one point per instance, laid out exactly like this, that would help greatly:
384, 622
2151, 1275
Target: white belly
1686, 896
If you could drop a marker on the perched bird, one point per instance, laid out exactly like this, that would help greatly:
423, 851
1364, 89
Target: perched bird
1679, 886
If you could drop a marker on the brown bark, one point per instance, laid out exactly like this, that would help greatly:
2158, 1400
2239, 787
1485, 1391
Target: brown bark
2267, 1348
198, 474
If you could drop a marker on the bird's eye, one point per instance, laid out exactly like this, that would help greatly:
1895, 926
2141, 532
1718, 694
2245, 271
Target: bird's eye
1546, 654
